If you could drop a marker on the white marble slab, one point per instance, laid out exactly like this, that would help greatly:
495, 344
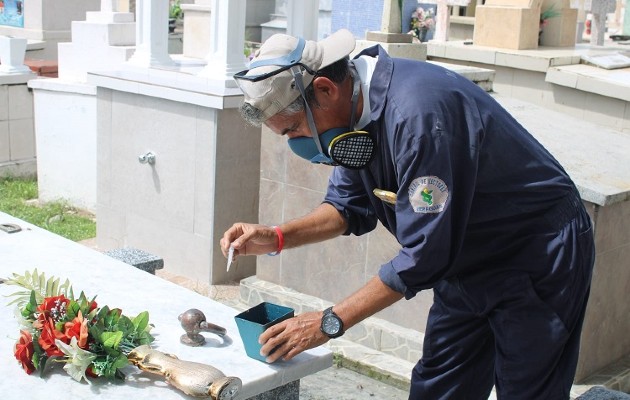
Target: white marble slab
531, 60
611, 83
117, 284
180, 82
595, 156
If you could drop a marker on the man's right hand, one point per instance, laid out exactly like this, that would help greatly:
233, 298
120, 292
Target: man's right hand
249, 239
323, 223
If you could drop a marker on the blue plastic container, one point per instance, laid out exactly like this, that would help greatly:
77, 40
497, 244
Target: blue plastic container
251, 323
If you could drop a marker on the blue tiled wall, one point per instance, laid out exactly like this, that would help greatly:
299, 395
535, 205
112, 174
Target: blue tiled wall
362, 16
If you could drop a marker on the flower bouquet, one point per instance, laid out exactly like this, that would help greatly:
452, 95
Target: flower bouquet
422, 21
56, 326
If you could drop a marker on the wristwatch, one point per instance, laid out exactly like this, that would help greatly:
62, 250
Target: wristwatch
332, 325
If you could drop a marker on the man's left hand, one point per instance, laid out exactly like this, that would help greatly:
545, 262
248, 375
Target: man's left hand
292, 336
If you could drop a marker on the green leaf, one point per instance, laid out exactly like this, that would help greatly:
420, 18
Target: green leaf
44, 363
95, 330
72, 310
125, 325
120, 362
37, 359
37, 281
28, 310
102, 313
109, 317
54, 287
141, 321
111, 339
108, 365
144, 338
42, 282
49, 285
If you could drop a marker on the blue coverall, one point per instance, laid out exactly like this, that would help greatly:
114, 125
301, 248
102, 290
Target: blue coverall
487, 218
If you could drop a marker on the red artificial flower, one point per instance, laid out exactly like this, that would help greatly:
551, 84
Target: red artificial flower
48, 336
77, 328
24, 351
51, 307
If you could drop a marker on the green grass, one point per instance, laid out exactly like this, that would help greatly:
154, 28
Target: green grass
57, 217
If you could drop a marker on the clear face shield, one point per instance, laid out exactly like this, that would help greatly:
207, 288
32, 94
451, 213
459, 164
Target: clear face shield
344, 146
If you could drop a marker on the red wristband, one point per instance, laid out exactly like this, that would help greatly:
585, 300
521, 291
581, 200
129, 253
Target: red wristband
280, 241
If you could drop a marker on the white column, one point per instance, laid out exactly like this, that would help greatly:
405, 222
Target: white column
442, 21
227, 42
302, 18
12, 51
443, 17
151, 34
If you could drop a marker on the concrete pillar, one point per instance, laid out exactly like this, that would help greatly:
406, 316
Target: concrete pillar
302, 18
227, 42
442, 21
197, 25
151, 34
443, 17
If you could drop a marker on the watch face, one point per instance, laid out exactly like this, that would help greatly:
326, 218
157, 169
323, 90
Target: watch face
330, 325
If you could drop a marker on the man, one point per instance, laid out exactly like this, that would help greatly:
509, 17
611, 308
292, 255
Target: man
483, 213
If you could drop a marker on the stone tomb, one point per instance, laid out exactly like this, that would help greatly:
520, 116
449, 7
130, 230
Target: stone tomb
103, 41
509, 24
17, 138
559, 31
117, 284
391, 38
443, 16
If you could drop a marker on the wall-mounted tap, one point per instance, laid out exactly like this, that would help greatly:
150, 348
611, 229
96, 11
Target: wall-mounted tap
147, 158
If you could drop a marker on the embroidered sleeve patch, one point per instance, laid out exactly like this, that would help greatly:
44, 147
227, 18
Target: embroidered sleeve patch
428, 194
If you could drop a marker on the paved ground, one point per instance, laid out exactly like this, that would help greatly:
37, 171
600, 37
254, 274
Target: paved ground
343, 384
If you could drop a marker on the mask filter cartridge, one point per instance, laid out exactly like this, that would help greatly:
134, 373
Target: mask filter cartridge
352, 150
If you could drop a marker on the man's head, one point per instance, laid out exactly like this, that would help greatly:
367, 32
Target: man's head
269, 84
307, 91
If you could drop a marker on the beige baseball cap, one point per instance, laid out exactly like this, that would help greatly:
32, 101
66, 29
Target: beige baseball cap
276, 92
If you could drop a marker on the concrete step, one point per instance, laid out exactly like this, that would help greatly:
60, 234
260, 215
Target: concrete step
373, 363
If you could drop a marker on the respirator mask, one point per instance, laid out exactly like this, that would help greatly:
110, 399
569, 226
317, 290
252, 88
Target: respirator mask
345, 147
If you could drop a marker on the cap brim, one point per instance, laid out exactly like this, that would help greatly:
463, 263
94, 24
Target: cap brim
336, 46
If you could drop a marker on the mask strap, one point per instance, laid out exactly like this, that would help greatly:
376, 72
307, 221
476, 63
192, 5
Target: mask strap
355, 94
297, 77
